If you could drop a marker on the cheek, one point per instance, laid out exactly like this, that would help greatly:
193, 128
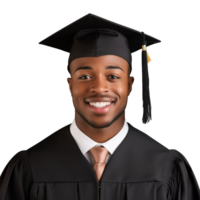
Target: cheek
121, 90
78, 90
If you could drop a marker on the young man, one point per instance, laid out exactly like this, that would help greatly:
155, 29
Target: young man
100, 156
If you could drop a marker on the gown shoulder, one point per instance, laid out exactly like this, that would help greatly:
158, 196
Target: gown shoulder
16, 178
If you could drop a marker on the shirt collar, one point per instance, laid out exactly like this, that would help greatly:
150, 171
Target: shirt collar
85, 143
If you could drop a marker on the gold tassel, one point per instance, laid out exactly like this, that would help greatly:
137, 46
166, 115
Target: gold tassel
149, 57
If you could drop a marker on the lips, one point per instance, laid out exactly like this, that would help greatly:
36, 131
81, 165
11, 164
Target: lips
88, 100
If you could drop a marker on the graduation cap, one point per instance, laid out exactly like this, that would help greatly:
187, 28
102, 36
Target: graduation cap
92, 36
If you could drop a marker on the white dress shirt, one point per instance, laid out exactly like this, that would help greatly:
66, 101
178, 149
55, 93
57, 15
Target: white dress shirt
85, 143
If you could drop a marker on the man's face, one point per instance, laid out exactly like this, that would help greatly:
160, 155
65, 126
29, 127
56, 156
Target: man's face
103, 79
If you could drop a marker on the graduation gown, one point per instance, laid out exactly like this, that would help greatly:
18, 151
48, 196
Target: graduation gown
139, 169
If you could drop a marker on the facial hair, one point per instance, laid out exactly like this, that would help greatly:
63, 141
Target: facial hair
106, 124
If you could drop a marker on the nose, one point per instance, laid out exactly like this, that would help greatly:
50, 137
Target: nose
99, 85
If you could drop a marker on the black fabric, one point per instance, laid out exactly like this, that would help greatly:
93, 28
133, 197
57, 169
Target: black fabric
92, 35
63, 38
139, 169
98, 42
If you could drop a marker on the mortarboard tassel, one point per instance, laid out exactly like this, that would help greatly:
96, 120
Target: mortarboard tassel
145, 83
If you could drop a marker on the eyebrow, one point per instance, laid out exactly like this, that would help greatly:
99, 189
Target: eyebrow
90, 68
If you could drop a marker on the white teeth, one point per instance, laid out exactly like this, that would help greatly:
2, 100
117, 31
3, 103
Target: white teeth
99, 104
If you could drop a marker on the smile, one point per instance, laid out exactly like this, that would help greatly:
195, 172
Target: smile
100, 107
99, 104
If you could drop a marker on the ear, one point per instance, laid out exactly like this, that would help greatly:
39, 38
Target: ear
69, 80
131, 84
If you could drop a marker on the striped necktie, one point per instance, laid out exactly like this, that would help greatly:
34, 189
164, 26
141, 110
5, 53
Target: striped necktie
99, 154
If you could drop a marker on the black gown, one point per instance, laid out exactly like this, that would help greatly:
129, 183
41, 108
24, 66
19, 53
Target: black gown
139, 169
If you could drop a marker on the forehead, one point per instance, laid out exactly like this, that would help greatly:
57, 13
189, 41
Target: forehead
99, 62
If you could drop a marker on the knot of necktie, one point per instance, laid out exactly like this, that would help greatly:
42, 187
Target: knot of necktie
99, 154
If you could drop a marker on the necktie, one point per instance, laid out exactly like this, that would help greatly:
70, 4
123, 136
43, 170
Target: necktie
99, 154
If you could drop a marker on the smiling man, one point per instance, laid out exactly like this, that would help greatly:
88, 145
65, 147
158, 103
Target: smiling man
100, 87
100, 156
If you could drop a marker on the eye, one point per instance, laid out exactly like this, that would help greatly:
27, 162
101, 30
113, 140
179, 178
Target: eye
83, 76
109, 76
115, 76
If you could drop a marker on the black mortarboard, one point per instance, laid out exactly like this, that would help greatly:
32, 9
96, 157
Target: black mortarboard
92, 36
